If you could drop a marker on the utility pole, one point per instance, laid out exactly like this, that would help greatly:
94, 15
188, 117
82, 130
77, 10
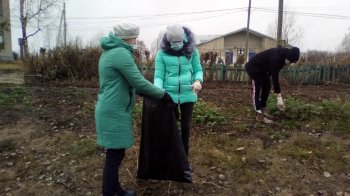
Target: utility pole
280, 23
58, 43
22, 40
65, 25
48, 37
247, 34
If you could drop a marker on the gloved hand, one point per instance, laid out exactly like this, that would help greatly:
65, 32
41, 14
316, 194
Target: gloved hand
280, 103
167, 98
197, 86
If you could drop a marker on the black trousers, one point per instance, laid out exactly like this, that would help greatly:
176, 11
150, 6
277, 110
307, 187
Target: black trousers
261, 87
111, 185
186, 110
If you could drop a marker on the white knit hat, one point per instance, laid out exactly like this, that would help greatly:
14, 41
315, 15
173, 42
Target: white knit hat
125, 30
175, 33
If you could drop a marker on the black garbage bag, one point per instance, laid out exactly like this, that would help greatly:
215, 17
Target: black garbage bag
162, 155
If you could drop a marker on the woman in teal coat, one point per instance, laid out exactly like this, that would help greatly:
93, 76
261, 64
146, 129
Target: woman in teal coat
119, 77
178, 71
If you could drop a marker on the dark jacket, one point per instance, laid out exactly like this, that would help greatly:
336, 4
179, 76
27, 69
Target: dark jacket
270, 62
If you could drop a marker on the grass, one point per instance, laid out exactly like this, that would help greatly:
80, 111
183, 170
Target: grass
315, 152
83, 148
13, 96
206, 113
203, 113
63, 163
67, 163
331, 115
11, 67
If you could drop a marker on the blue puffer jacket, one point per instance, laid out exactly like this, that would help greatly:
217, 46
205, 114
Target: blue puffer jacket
176, 71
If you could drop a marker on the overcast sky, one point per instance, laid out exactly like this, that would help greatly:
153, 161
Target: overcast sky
89, 19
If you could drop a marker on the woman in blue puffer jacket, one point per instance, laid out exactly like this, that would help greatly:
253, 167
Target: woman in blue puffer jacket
178, 71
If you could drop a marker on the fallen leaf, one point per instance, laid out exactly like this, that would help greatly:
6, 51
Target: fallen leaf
326, 174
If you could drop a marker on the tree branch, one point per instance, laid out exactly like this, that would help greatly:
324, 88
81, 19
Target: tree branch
42, 9
37, 31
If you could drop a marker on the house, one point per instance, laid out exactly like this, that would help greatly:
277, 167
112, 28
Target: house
231, 45
5, 31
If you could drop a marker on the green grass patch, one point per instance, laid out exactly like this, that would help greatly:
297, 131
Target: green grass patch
13, 96
205, 113
314, 151
221, 151
331, 115
70, 144
73, 92
278, 134
83, 148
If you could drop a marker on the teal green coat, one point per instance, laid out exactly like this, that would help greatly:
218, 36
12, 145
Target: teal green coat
176, 74
119, 77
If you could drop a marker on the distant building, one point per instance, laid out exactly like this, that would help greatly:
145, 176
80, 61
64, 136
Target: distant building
232, 44
5, 31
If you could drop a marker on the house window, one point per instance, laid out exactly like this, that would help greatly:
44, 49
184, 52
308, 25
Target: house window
240, 50
2, 40
228, 56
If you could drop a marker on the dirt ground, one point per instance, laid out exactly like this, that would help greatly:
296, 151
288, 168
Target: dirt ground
47, 146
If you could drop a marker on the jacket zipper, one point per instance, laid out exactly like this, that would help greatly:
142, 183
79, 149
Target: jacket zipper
179, 80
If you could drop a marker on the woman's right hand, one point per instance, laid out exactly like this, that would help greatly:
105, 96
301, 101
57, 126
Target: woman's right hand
197, 86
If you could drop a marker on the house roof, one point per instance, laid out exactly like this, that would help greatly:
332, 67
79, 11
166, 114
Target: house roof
238, 31
204, 38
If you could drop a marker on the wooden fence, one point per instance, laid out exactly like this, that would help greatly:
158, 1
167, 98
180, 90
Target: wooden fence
310, 74
317, 74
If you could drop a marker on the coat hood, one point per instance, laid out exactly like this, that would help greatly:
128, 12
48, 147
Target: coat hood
113, 41
293, 54
186, 50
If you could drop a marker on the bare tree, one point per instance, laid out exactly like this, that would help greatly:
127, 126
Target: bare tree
141, 55
33, 15
345, 44
156, 44
292, 33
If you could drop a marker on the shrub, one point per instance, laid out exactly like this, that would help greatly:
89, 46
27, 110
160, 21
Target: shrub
64, 63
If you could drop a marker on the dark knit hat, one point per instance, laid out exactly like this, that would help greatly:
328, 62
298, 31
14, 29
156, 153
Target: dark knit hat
293, 54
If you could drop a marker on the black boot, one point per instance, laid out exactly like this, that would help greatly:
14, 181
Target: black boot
127, 193
130, 193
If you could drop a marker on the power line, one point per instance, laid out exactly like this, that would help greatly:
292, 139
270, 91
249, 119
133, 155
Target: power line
203, 18
185, 20
318, 15
162, 16
161, 24
154, 15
